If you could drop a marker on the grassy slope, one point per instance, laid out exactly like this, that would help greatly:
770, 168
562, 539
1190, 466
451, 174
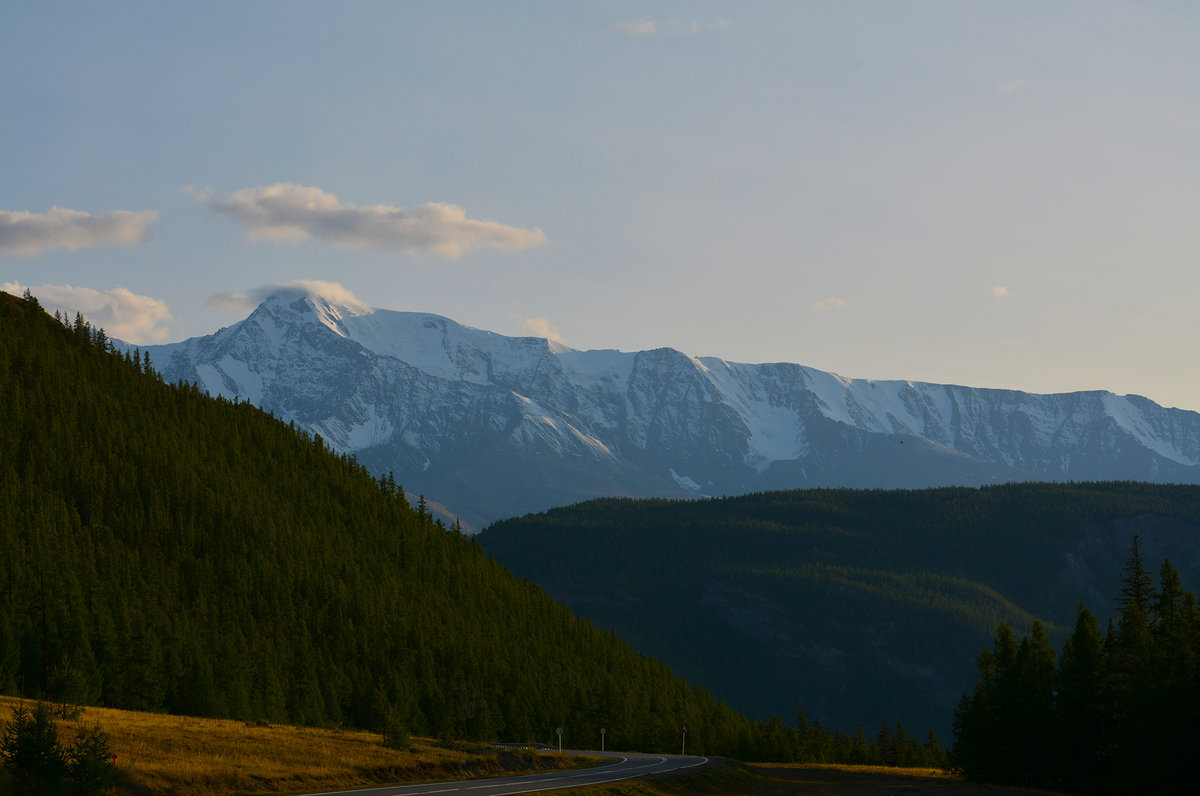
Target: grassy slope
184, 756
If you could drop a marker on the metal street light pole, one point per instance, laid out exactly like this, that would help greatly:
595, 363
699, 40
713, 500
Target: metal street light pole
560, 740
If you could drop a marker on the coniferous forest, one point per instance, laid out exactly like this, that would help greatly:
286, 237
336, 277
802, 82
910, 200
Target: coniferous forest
1119, 711
167, 551
857, 605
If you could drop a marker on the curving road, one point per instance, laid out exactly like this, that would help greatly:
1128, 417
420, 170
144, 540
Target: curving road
627, 765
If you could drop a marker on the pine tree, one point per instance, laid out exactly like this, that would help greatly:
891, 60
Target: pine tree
981, 738
1079, 717
1176, 701
1136, 584
1034, 677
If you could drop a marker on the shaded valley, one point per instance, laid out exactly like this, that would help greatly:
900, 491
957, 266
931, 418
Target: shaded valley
858, 606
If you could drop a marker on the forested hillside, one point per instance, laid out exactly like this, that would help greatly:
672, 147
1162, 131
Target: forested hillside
167, 551
860, 606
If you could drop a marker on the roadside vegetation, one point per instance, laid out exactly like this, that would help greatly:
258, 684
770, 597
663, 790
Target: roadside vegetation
768, 779
158, 753
183, 756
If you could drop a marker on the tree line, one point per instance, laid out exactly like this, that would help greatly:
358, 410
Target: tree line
1116, 711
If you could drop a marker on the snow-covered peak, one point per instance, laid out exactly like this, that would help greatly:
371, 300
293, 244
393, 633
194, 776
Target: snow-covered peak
325, 303
322, 295
765, 397
443, 348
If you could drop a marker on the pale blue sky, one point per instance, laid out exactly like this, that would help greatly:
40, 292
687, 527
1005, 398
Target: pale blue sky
995, 194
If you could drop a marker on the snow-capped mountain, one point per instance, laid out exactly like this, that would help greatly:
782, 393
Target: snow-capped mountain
491, 426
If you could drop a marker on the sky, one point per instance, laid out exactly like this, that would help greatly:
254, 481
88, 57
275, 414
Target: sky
994, 194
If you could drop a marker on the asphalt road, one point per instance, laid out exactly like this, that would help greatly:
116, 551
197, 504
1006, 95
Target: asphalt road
626, 765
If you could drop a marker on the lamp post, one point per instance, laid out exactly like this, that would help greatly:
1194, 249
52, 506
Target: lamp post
602, 731
560, 740
683, 746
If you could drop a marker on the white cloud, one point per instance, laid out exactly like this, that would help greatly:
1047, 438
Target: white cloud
1009, 86
649, 27
540, 327
333, 292
119, 312
830, 304
285, 212
1000, 292
24, 234
693, 28
637, 27
228, 300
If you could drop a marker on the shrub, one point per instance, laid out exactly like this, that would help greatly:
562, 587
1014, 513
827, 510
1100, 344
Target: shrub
41, 766
395, 733
31, 752
90, 764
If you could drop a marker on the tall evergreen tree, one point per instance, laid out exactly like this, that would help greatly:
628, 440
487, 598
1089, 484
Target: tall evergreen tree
1137, 587
1034, 682
1080, 720
1175, 681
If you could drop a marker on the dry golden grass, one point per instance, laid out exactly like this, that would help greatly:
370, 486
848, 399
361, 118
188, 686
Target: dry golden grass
843, 780
184, 756
924, 773
730, 778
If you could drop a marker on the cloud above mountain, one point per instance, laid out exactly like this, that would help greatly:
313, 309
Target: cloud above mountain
121, 313
541, 327
24, 234
289, 213
333, 292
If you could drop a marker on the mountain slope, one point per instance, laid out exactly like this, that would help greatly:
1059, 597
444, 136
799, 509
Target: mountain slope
492, 426
855, 605
164, 550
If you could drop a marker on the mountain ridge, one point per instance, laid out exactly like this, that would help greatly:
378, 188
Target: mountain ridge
451, 409
855, 604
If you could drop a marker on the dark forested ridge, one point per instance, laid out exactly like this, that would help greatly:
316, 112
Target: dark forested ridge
163, 550
857, 605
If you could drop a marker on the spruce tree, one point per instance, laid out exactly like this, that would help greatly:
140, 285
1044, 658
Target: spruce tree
1079, 717
1136, 585
1034, 679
